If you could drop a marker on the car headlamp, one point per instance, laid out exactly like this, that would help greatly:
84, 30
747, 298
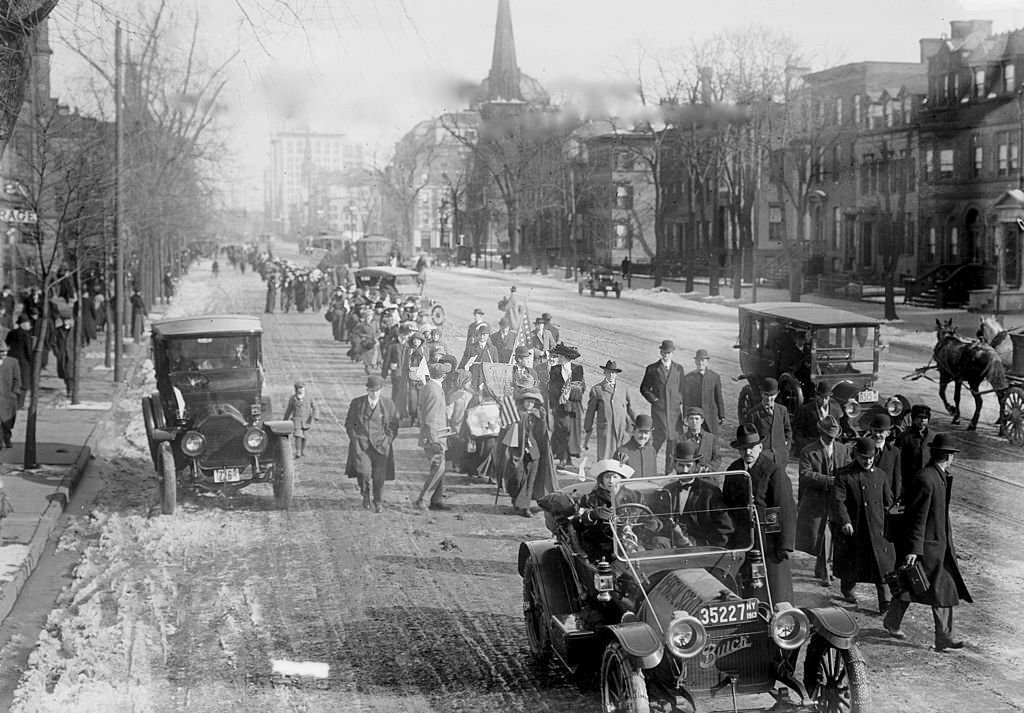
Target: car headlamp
255, 440
790, 627
894, 406
193, 443
685, 636
852, 408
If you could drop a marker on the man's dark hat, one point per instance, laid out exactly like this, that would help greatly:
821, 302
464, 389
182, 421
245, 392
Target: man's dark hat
942, 443
611, 366
539, 320
686, 451
566, 351
694, 411
920, 411
478, 311
667, 345
770, 387
374, 382
746, 435
865, 447
522, 351
22, 318
483, 328
880, 422
822, 389
830, 426
644, 423
546, 316
702, 354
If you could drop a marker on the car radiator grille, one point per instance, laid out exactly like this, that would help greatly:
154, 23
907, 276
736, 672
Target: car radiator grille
745, 650
223, 443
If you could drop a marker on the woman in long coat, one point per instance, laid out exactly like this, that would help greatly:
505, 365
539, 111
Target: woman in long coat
609, 409
524, 454
860, 497
566, 387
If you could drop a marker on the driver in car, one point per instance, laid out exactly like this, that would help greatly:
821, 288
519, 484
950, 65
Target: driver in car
699, 515
594, 522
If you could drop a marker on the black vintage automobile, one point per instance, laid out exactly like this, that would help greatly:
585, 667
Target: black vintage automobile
207, 421
670, 604
603, 280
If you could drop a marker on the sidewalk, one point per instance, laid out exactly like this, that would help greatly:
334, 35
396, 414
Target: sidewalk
63, 434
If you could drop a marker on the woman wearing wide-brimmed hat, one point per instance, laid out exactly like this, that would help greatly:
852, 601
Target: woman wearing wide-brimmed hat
566, 387
524, 461
610, 410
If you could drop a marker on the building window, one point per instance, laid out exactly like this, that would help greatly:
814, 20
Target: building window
866, 161
979, 83
626, 160
978, 162
1006, 152
624, 197
621, 235
837, 227
775, 222
932, 244
954, 243
908, 234
876, 120
856, 109
837, 162
839, 110
946, 163
1009, 78
929, 164
908, 109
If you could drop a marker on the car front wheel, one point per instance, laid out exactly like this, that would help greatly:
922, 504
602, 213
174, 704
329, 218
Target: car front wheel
623, 688
284, 479
836, 679
535, 615
168, 480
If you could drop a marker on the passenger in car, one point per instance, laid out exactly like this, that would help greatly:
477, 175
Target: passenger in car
597, 512
700, 517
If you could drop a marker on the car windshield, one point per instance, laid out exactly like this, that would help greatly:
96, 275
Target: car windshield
844, 350
212, 353
405, 284
682, 514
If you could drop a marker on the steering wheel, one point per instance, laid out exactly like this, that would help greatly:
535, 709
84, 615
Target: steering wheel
197, 380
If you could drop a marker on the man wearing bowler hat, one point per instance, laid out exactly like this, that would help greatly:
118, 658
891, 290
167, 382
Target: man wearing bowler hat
912, 442
927, 537
610, 410
819, 463
471, 330
662, 386
772, 421
707, 442
638, 452
702, 387
810, 414
371, 425
888, 457
771, 489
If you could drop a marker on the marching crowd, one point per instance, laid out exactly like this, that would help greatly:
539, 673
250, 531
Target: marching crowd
514, 409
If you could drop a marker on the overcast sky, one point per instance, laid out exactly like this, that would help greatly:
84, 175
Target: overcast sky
373, 68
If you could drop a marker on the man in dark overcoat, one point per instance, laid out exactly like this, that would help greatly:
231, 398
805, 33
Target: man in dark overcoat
860, 497
703, 387
911, 443
10, 394
772, 421
637, 452
662, 386
471, 330
20, 341
371, 425
888, 457
819, 462
707, 442
810, 414
771, 489
928, 537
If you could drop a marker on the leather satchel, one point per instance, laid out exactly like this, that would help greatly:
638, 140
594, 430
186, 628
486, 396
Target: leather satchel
910, 579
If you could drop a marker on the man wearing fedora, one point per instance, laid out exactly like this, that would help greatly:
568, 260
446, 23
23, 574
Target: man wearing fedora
482, 350
504, 340
912, 442
702, 387
928, 537
860, 498
706, 441
551, 327
662, 386
771, 489
371, 425
888, 457
810, 414
610, 409
772, 422
819, 463
638, 452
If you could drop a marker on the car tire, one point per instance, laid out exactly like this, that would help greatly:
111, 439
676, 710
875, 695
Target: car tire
147, 420
284, 479
623, 687
618, 292
836, 679
745, 402
168, 480
437, 315
535, 614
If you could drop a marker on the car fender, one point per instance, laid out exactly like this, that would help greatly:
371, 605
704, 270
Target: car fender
279, 428
834, 624
638, 639
161, 436
557, 585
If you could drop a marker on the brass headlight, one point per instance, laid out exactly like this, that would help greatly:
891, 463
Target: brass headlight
790, 627
685, 636
255, 440
193, 443
894, 406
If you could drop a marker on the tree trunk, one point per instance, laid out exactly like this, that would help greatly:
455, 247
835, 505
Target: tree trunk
76, 339
890, 296
736, 253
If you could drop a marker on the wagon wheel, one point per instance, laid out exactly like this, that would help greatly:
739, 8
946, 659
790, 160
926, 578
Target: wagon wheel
1013, 415
836, 679
623, 688
791, 394
535, 615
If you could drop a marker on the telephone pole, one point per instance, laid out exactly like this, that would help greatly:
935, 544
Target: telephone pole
118, 209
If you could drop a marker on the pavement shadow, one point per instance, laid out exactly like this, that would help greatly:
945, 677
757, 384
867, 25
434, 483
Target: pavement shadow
454, 565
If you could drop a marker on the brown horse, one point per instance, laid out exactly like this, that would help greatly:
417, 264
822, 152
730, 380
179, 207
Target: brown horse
964, 360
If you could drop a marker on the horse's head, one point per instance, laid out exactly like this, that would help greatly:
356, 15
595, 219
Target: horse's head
989, 328
945, 329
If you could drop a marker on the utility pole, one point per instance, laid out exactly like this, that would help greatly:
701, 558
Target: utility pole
118, 209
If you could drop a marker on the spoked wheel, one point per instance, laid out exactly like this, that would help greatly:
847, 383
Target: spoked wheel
746, 401
148, 421
437, 315
535, 615
623, 689
836, 679
1013, 415
284, 479
168, 480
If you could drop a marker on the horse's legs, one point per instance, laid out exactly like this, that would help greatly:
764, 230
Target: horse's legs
976, 393
954, 412
957, 389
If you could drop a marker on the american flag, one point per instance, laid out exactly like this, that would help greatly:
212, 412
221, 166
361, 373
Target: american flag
508, 413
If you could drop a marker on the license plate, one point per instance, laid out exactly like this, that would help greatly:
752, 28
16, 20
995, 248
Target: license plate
867, 395
732, 612
227, 475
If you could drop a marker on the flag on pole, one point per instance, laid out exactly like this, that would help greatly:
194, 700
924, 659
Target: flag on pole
507, 411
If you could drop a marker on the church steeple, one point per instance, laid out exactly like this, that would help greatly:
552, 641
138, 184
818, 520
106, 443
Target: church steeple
504, 78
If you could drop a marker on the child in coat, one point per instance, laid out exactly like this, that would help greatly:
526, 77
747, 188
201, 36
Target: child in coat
301, 412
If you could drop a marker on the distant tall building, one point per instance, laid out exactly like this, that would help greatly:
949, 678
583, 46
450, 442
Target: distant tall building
301, 166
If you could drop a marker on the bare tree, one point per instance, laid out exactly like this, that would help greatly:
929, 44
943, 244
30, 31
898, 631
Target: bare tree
19, 20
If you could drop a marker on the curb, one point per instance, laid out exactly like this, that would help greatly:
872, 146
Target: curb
58, 501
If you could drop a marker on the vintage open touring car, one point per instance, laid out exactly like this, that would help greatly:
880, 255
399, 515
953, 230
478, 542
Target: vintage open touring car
603, 280
673, 607
207, 421
405, 289
802, 344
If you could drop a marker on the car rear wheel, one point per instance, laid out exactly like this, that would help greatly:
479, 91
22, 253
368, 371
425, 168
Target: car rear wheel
168, 480
284, 479
437, 315
746, 402
623, 688
147, 419
836, 679
535, 615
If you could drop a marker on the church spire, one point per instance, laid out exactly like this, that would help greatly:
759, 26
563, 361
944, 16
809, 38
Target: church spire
503, 81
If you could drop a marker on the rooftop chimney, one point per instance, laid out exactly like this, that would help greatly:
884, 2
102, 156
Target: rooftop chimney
929, 46
961, 29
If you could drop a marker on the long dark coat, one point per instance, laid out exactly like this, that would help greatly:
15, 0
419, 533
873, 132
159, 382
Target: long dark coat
360, 443
567, 418
775, 428
888, 459
663, 390
913, 453
10, 388
771, 488
814, 494
929, 536
860, 498
806, 418
705, 392
643, 461
524, 461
